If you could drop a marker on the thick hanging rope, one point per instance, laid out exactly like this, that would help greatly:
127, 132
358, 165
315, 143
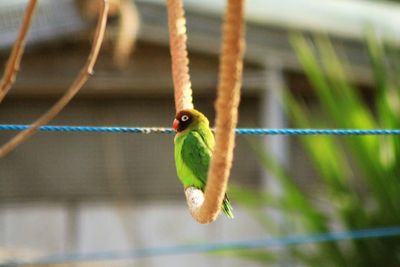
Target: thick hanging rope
128, 30
80, 80
179, 55
231, 64
14, 60
206, 207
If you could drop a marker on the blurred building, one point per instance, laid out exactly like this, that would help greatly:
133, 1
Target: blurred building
86, 192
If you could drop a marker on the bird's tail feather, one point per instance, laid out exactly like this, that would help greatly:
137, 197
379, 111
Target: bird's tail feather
227, 207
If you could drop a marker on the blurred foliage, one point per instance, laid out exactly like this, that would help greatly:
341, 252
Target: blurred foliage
357, 177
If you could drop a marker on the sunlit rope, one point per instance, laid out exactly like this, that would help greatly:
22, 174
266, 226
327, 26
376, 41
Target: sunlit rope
209, 247
248, 131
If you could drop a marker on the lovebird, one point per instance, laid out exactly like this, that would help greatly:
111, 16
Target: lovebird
194, 143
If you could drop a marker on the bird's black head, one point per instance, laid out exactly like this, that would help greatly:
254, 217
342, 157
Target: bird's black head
183, 120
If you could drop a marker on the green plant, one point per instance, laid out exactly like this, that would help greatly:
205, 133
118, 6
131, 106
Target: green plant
358, 176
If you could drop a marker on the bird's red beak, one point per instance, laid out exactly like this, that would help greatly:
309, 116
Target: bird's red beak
175, 125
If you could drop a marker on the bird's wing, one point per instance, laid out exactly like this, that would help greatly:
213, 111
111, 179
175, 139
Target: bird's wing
196, 155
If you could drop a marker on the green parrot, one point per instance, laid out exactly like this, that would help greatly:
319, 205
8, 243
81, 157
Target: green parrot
194, 143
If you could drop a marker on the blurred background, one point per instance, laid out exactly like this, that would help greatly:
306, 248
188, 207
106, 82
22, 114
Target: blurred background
308, 64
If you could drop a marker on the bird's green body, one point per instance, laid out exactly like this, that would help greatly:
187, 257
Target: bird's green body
194, 143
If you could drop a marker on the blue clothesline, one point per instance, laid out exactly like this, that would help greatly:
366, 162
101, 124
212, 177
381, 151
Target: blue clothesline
208, 247
248, 131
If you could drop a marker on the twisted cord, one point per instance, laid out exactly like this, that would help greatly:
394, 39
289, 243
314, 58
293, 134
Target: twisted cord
163, 130
208, 247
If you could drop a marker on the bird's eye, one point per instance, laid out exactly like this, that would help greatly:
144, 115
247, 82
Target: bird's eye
184, 118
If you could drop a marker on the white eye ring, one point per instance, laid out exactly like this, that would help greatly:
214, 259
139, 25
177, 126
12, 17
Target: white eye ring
184, 118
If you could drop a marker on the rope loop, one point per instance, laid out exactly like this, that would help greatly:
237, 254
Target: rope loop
205, 209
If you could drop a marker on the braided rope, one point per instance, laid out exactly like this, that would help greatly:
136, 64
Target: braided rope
164, 130
179, 55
